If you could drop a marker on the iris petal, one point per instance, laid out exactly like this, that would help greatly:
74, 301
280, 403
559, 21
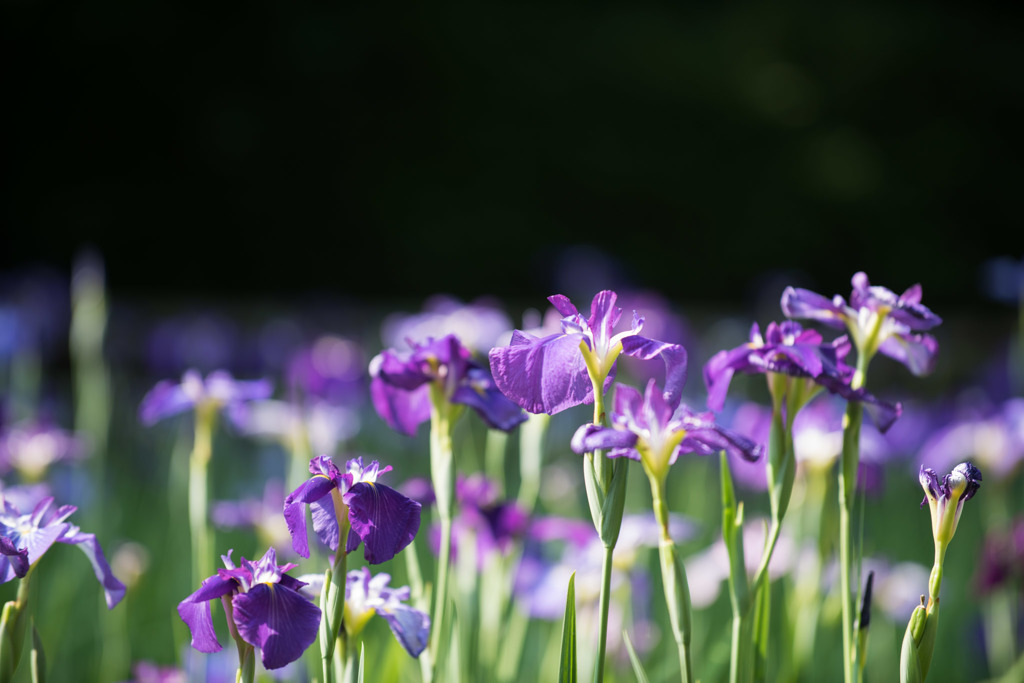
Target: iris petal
113, 589
278, 620
403, 410
410, 626
384, 519
543, 375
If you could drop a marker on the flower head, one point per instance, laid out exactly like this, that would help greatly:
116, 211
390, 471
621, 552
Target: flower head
877, 320
787, 349
651, 430
379, 516
946, 497
25, 537
267, 610
367, 595
219, 390
31, 448
559, 371
401, 381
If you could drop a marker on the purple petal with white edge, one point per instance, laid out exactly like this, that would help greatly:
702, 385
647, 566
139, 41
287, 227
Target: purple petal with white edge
295, 514
591, 437
604, 314
195, 612
384, 519
403, 410
483, 396
163, 400
543, 375
916, 351
14, 562
113, 589
673, 355
410, 626
803, 303
278, 620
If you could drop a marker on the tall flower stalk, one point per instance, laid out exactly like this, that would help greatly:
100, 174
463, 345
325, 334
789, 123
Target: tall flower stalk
436, 380
576, 366
877, 320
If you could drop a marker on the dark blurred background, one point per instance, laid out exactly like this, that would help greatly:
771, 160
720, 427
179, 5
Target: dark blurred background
392, 150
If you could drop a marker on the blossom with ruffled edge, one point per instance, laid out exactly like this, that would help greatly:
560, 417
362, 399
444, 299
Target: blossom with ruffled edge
380, 517
218, 391
946, 497
653, 431
401, 381
267, 610
788, 349
366, 595
877, 319
36, 531
559, 371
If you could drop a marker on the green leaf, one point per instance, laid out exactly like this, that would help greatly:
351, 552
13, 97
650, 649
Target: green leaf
638, 668
910, 669
38, 657
927, 644
362, 660
567, 666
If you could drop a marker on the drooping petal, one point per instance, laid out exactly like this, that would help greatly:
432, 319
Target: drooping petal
295, 513
410, 626
803, 303
673, 355
718, 372
163, 400
325, 522
278, 620
916, 351
591, 437
482, 395
403, 410
195, 612
14, 562
113, 589
384, 519
543, 375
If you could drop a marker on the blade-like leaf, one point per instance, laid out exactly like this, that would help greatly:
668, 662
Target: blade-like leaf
638, 668
38, 657
567, 666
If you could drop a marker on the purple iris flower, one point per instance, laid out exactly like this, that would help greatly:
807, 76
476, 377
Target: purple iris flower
1002, 560
267, 610
946, 497
380, 517
994, 440
218, 390
39, 529
401, 381
788, 349
654, 431
367, 595
32, 447
877, 320
552, 373
332, 369
262, 515
478, 325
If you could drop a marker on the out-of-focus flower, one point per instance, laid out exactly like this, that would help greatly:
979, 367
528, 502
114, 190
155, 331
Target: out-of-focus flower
946, 497
39, 529
324, 424
367, 595
260, 514
380, 517
402, 380
492, 523
147, 672
218, 391
332, 369
1002, 560
1003, 279
995, 441
559, 371
31, 447
877, 320
267, 610
789, 350
653, 431
478, 325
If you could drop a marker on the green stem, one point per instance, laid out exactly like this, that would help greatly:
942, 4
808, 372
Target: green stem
673, 578
198, 466
606, 585
442, 473
848, 564
333, 606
